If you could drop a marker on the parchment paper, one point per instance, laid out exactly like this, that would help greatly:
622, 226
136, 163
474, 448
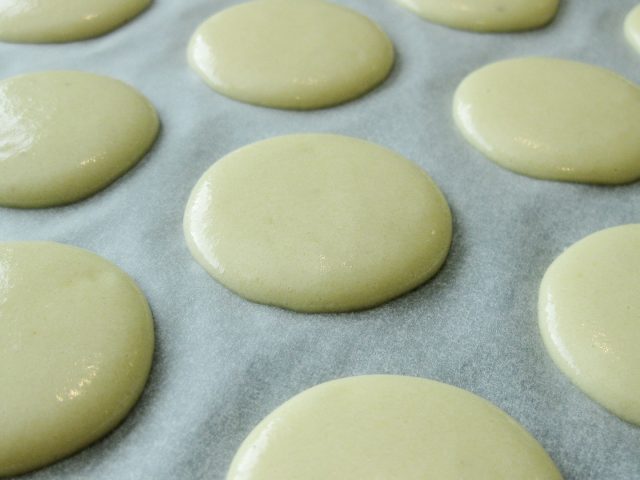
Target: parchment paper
223, 363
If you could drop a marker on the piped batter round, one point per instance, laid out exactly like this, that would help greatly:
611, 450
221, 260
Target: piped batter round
50, 21
65, 135
553, 119
632, 27
486, 15
318, 223
76, 341
295, 54
389, 427
589, 311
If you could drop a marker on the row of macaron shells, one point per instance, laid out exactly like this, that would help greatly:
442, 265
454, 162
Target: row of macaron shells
386, 62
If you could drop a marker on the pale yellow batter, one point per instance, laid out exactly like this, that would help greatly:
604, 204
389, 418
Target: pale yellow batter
76, 341
318, 223
632, 28
48, 21
390, 427
486, 15
66, 135
296, 54
589, 310
553, 119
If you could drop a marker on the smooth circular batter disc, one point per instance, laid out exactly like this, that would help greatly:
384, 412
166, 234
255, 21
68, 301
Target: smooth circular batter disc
76, 341
486, 15
66, 135
296, 54
49, 21
553, 119
390, 427
589, 311
318, 223
632, 28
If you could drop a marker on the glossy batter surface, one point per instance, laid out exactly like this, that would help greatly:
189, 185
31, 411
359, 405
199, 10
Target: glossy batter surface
632, 28
589, 311
486, 15
66, 135
76, 341
553, 119
318, 223
389, 427
49, 21
296, 54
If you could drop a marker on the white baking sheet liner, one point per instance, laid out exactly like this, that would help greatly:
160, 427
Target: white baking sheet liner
223, 363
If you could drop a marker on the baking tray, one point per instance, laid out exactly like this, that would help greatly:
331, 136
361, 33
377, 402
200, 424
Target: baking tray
223, 363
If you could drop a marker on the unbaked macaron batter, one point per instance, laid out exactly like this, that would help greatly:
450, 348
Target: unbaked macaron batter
553, 119
50, 21
64, 135
632, 27
76, 342
486, 15
389, 427
318, 223
295, 54
589, 312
